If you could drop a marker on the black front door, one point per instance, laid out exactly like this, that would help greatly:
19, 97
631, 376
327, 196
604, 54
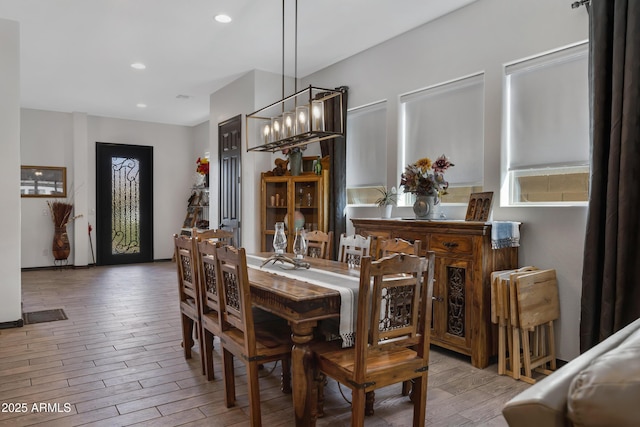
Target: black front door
124, 202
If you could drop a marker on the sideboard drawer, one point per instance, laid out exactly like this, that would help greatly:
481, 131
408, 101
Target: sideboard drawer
451, 244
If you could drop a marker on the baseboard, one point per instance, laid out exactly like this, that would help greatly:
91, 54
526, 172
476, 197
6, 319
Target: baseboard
15, 324
47, 267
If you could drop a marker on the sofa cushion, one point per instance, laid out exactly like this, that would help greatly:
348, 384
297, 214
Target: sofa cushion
607, 392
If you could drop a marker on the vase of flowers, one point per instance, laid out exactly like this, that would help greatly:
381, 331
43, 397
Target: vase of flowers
295, 159
425, 179
202, 167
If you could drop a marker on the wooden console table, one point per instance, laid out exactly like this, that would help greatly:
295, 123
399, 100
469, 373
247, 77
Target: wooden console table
462, 289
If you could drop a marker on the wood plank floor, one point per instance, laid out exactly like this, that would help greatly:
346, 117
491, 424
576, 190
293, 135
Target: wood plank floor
117, 361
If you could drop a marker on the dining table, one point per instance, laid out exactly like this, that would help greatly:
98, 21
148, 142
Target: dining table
327, 291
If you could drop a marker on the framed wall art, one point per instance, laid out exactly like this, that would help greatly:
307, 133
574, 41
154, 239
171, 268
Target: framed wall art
43, 181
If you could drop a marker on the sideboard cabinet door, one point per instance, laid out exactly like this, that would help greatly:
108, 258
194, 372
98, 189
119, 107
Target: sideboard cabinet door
451, 312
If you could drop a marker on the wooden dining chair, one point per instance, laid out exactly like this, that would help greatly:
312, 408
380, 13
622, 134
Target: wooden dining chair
397, 246
210, 306
251, 343
392, 333
353, 248
319, 244
218, 235
187, 267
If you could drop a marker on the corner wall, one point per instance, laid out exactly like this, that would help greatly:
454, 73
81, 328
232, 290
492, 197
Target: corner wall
244, 95
10, 282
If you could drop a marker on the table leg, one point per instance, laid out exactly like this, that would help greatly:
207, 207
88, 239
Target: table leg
304, 388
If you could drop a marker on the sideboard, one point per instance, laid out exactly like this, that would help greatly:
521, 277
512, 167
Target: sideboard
461, 318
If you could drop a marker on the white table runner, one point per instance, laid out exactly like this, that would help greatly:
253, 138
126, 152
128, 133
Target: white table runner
346, 285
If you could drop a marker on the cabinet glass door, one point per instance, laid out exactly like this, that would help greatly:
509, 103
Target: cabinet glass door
307, 205
276, 195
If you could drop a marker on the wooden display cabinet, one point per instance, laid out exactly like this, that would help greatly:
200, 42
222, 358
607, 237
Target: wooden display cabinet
285, 198
462, 289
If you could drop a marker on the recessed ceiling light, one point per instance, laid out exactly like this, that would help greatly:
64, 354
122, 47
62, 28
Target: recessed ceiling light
223, 19
141, 105
138, 66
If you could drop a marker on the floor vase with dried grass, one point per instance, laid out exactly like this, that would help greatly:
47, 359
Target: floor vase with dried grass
61, 247
61, 216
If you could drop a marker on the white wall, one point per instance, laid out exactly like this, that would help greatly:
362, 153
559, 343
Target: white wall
480, 37
81, 171
10, 284
173, 170
48, 140
200, 141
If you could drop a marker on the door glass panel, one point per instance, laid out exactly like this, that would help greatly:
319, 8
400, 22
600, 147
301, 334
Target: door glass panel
125, 219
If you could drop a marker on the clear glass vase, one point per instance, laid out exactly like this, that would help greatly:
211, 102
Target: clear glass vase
279, 238
300, 243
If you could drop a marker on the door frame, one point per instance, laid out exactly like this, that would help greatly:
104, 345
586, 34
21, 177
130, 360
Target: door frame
222, 152
106, 151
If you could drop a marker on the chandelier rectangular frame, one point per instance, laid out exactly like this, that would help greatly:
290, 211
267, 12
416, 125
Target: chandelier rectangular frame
311, 115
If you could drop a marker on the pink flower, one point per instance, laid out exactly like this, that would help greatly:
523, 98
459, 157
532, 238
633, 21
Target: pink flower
441, 164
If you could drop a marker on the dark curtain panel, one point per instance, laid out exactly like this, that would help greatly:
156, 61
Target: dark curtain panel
611, 272
336, 148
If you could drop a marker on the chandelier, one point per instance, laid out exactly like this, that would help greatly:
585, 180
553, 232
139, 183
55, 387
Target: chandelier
311, 115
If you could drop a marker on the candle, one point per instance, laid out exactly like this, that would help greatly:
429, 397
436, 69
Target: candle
266, 132
302, 121
276, 128
289, 119
318, 115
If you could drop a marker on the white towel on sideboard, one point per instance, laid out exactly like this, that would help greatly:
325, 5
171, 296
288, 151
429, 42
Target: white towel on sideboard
505, 234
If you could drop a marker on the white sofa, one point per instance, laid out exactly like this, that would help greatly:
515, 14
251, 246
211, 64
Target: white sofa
599, 388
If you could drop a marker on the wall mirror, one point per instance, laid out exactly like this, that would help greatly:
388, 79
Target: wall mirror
43, 181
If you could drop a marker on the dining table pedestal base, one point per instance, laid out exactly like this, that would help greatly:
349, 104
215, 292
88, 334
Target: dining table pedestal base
302, 368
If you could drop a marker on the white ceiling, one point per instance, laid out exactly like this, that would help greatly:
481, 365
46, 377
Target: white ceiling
76, 54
